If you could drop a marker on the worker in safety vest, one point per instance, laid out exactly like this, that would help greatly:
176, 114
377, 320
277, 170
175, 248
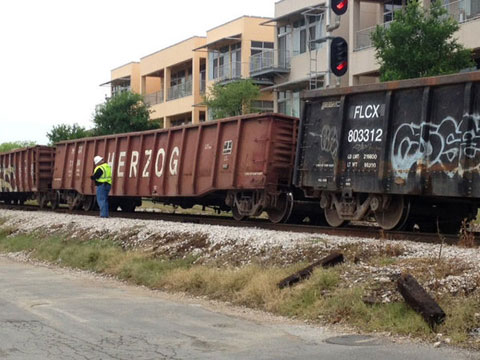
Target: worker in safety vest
102, 175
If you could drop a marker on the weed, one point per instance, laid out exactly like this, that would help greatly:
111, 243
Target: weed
466, 237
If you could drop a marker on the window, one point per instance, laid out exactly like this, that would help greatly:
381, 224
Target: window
227, 147
226, 62
262, 106
282, 102
259, 46
316, 30
289, 103
389, 7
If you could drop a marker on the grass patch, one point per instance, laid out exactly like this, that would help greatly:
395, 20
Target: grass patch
325, 296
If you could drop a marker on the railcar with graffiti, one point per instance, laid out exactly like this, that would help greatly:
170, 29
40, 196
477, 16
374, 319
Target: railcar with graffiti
26, 173
403, 153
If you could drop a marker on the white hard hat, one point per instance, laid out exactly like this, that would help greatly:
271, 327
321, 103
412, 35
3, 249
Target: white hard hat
97, 159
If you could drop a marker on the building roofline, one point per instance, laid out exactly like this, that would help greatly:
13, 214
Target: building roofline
177, 43
131, 62
238, 18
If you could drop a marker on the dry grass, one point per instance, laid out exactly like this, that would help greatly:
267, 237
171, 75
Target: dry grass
325, 297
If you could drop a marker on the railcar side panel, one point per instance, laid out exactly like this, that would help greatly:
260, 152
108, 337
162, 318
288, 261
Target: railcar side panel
27, 170
188, 161
414, 137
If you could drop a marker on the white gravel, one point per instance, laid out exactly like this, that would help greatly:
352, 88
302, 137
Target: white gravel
243, 245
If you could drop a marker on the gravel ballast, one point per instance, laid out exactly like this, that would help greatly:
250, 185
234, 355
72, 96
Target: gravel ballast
240, 246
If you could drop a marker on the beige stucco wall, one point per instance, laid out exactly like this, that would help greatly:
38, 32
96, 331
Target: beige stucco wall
285, 7
469, 34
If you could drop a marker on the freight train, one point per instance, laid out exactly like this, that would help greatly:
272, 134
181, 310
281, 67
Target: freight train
403, 154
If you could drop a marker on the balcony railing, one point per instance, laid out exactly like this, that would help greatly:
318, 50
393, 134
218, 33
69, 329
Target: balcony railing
269, 60
120, 89
154, 98
363, 37
463, 10
228, 71
180, 90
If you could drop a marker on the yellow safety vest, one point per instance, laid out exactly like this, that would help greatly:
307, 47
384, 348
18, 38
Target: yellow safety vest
106, 173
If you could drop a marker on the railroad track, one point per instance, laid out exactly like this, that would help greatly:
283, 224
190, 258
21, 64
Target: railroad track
351, 230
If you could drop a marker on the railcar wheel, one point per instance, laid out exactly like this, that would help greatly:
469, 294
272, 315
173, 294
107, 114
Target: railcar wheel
332, 217
395, 215
42, 201
283, 210
55, 201
89, 203
236, 215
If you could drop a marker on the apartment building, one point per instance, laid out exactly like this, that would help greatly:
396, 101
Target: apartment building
173, 83
363, 66
174, 80
298, 62
229, 47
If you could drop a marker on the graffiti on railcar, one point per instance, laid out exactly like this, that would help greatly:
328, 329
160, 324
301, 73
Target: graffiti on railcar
7, 178
448, 146
328, 140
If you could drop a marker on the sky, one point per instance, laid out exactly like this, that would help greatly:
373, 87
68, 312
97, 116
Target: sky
54, 54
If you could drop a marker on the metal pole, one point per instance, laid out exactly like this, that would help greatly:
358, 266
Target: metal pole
329, 41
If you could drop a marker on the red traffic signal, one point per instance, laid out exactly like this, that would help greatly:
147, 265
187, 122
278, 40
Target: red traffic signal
339, 7
339, 56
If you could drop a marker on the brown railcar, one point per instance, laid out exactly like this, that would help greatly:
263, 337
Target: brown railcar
242, 163
26, 173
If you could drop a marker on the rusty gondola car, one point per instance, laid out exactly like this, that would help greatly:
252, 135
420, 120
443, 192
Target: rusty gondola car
26, 174
406, 153
243, 164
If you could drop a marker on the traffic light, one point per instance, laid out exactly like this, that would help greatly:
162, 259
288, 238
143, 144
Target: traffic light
339, 56
339, 7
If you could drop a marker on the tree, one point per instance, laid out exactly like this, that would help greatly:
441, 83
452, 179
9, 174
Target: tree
418, 43
9, 146
231, 99
67, 132
124, 112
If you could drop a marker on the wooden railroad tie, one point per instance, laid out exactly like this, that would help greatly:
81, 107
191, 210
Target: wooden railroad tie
331, 260
416, 296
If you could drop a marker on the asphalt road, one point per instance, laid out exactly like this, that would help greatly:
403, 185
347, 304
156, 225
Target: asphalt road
57, 314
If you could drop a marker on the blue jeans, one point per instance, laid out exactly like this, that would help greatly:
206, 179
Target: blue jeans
102, 199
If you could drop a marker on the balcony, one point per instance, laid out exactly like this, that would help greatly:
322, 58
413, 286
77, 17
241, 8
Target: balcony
228, 72
180, 90
120, 89
461, 11
464, 10
270, 62
363, 37
154, 98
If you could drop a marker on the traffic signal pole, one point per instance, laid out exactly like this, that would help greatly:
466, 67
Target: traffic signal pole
329, 44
